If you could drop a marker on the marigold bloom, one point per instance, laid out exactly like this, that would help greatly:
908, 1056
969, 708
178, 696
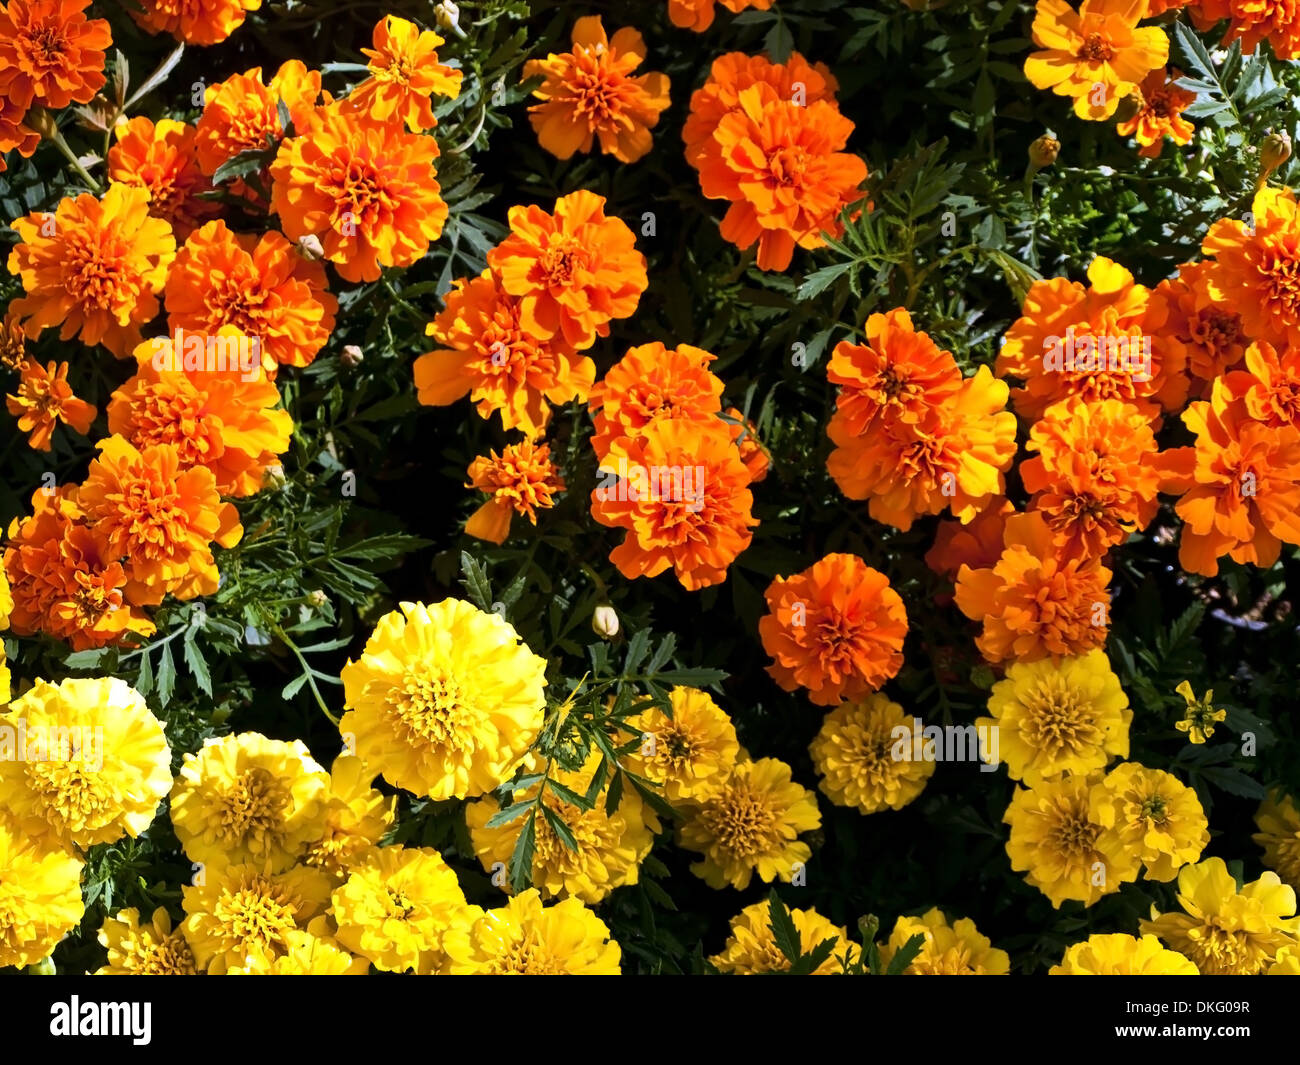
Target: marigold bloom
690, 752
44, 399
1095, 55
51, 55
368, 190
94, 268
574, 270
750, 824
314, 952
955, 949
1252, 22
744, 434
1160, 115
1054, 842
1201, 715
153, 949
591, 92
1286, 962
977, 544
193, 21
682, 493
1122, 955
860, 762
241, 114
522, 479
1036, 601
354, 819
1269, 386
835, 629
444, 699
404, 74
161, 519
1278, 821
13, 133
40, 894
751, 947
490, 355
697, 15
13, 343
163, 159
1152, 815
1225, 930
525, 938
1205, 336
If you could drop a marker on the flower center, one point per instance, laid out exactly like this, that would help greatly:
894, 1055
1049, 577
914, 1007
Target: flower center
787, 165
430, 706
1096, 49
1058, 720
253, 805
1281, 268
560, 262
1074, 834
71, 792
741, 822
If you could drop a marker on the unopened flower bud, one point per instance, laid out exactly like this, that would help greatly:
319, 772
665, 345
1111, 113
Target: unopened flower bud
317, 599
352, 356
311, 248
604, 621
1130, 106
1043, 151
273, 478
1275, 151
44, 967
446, 16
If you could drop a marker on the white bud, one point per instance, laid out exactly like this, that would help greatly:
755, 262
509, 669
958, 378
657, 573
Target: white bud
604, 621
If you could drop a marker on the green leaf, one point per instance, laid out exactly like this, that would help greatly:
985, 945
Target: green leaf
783, 929
819, 280
510, 813
243, 165
905, 955
196, 663
637, 647
521, 858
559, 828
166, 675
569, 795
476, 581
292, 688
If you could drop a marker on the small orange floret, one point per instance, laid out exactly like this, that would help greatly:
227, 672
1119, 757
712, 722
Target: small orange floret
522, 479
404, 74
44, 398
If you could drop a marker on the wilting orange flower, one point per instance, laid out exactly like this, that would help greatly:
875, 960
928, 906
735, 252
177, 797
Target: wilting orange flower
13, 343
44, 399
163, 158
1090, 342
93, 267
262, 286
697, 15
1036, 601
62, 581
13, 134
1242, 483
955, 456
1161, 114
650, 384
574, 270
1257, 267
591, 93
502, 366
522, 479
835, 629
744, 435
1252, 21
51, 55
404, 74
1095, 55
1269, 386
242, 113
143, 508
368, 190
1096, 475
193, 21
221, 417
682, 494
977, 544
1206, 336
782, 168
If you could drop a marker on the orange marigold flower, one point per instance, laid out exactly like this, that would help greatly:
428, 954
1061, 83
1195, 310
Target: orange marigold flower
367, 189
954, 457
94, 267
404, 74
13, 343
62, 582
51, 55
977, 544
698, 15
161, 519
744, 434
13, 134
836, 629
574, 270
1205, 335
1036, 601
682, 494
261, 286
591, 93
1090, 342
490, 355
522, 479
652, 383
1159, 7
1161, 114
242, 113
1252, 21
782, 168
1269, 386
221, 417
193, 21
1095, 55
44, 399
163, 158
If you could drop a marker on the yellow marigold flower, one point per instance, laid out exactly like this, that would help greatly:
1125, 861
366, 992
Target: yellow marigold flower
521, 479
5, 678
40, 893
403, 910
1058, 716
861, 762
355, 818
611, 846
688, 753
314, 952
1054, 842
243, 914
955, 949
404, 74
751, 948
1287, 962
1095, 55
248, 799
44, 399
750, 824
591, 92
1278, 821
1122, 955
1201, 715
444, 700
1151, 815
153, 949
1226, 930
525, 938
96, 762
